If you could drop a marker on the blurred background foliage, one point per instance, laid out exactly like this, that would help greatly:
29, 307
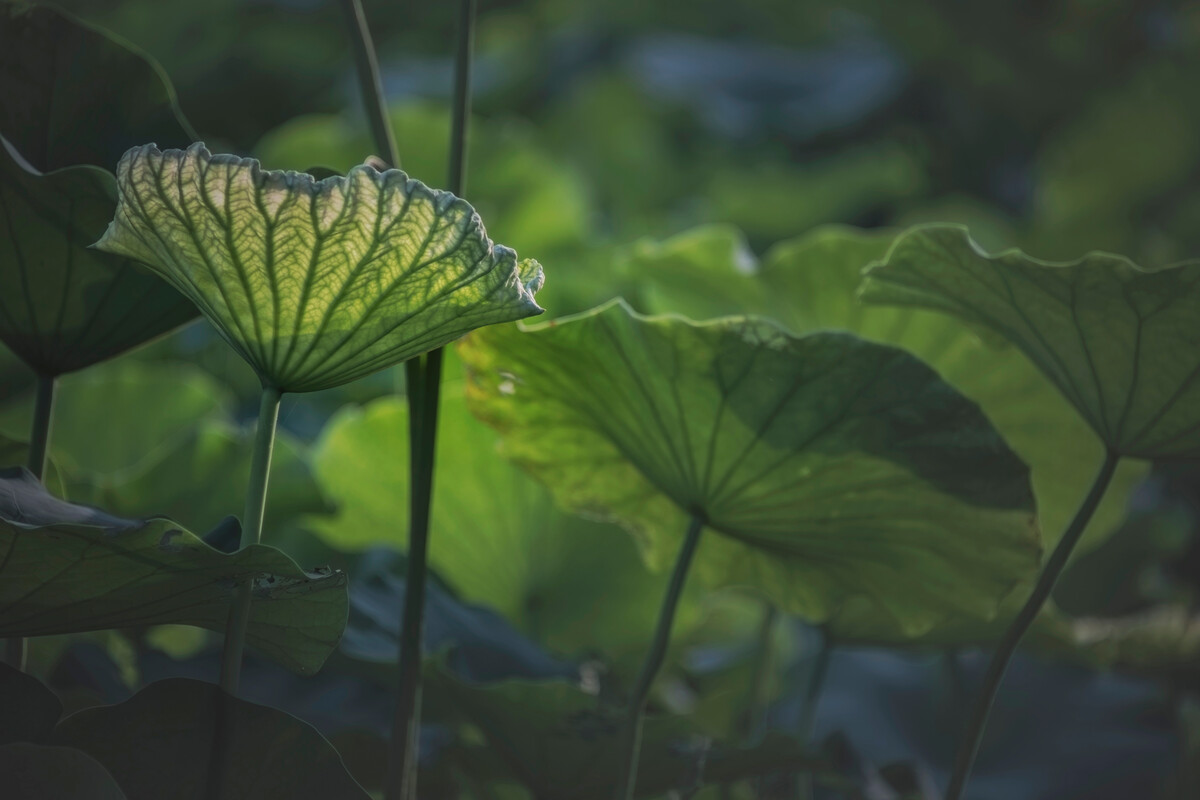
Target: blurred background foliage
652, 150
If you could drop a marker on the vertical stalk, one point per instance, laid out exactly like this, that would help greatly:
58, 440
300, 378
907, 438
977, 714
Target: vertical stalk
43, 415
16, 652
750, 726
627, 777
252, 523
969, 746
424, 376
369, 82
812, 696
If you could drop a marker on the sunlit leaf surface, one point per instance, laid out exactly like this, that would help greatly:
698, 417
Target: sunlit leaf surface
316, 283
66, 568
828, 467
1121, 343
74, 100
575, 584
164, 734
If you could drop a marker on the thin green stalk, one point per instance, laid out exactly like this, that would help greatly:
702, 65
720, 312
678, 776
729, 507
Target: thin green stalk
627, 777
750, 727
424, 376
43, 418
816, 682
969, 747
369, 81
812, 696
252, 523
16, 651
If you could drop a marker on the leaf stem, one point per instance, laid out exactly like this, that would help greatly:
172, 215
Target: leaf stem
424, 378
16, 651
969, 746
369, 82
43, 417
750, 726
252, 524
627, 776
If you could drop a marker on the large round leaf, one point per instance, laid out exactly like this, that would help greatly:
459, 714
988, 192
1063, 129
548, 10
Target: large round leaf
67, 568
829, 467
74, 99
316, 283
1121, 343
810, 283
159, 743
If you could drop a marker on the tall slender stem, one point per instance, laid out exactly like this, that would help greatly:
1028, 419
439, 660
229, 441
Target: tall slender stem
627, 777
750, 726
969, 746
16, 651
424, 376
369, 81
43, 418
252, 523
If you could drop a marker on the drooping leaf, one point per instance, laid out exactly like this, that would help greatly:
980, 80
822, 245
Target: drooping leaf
576, 585
562, 743
37, 772
827, 467
30, 709
67, 568
810, 283
1121, 343
75, 99
316, 283
163, 737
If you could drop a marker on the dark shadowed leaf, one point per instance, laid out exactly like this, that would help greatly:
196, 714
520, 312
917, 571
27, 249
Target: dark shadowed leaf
1121, 343
316, 283
482, 645
30, 709
828, 467
67, 568
75, 99
562, 743
163, 735
40, 772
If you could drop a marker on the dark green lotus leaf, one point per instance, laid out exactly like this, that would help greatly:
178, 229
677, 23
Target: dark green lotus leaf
74, 94
562, 743
1121, 343
828, 467
39, 772
163, 737
74, 100
316, 283
810, 283
30, 709
577, 585
68, 568
64, 306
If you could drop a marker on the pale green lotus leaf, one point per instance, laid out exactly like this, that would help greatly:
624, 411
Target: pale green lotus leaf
316, 283
67, 568
811, 282
1122, 344
577, 585
826, 466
